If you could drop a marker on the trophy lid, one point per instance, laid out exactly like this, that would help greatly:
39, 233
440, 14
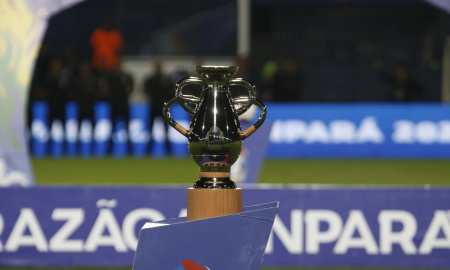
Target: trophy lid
216, 72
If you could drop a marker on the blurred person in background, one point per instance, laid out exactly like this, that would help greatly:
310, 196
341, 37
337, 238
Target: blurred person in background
158, 88
38, 91
121, 86
87, 88
184, 73
70, 61
245, 71
103, 75
281, 80
106, 43
269, 71
287, 83
404, 87
60, 89
69, 73
43, 61
56, 87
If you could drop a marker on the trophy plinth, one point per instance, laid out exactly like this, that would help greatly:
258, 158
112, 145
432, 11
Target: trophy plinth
208, 203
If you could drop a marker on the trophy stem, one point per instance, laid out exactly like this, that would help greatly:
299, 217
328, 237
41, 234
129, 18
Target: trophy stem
214, 183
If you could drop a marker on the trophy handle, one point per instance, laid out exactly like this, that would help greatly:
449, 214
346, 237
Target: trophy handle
169, 119
248, 102
185, 99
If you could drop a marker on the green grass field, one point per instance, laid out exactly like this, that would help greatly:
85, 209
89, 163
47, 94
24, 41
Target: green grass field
184, 171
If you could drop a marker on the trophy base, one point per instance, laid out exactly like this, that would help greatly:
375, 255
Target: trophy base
215, 183
208, 203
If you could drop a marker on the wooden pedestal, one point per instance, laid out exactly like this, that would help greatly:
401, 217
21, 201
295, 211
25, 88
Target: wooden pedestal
208, 203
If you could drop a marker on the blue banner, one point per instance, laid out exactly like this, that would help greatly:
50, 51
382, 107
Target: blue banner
361, 130
319, 227
71, 128
138, 129
103, 128
39, 129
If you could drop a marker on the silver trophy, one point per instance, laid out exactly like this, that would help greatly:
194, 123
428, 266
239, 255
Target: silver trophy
215, 136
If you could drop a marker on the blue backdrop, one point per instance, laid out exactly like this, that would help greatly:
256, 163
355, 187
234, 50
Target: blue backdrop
360, 130
320, 226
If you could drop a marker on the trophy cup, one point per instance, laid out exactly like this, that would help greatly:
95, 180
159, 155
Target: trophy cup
215, 136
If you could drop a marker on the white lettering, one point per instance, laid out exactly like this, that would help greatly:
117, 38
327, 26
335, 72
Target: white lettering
130, 220
74, 217
317, 132
444, 136
356, 221
342, 131
276, 133
57, 131
294, 130
26, 219
138, 133
345, 131
292, 241
430, 240
403, 131
71, 130
426, 132
369, 131
105, 220
39, 130
102, 130
159, 130
314, 236
121, 135
85, 131
404, 237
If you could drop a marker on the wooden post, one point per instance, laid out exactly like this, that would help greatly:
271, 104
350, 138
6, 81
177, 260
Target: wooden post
208, 203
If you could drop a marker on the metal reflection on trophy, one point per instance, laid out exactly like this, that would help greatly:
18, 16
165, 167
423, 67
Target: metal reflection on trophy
215, 136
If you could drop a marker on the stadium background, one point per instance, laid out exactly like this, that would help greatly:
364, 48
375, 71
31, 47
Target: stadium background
334, 42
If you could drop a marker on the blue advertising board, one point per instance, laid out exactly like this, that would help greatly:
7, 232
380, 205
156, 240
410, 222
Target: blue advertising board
71, 127
315, 226
138, 129
360, 130
103, 128
40, 129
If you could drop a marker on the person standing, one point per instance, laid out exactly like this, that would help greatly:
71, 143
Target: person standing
121, 86
87, 87
158, 89
57, 88
404, 88
106, 43
287, 83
